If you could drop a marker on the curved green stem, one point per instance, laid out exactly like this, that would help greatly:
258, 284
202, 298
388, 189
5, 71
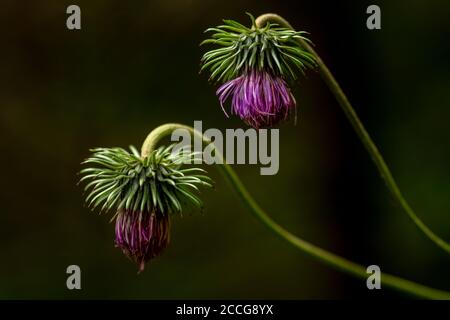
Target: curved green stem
362, 133
320, 254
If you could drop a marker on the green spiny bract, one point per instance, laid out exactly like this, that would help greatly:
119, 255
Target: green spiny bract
271, 48
126, 181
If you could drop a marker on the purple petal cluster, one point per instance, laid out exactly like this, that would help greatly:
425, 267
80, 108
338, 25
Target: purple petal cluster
258, 97
142, 235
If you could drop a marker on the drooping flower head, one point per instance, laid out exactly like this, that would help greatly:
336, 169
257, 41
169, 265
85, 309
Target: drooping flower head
142, 236
144, 192
255, 65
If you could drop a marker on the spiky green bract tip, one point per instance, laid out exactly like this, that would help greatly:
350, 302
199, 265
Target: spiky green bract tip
125, 181
271, 48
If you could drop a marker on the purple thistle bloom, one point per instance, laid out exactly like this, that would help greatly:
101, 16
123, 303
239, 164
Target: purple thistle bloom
258, 97
142, 235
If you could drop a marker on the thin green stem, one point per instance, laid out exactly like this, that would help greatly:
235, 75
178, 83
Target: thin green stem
362, 133
319, 254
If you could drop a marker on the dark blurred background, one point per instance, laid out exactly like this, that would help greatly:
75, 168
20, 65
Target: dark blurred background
134, 66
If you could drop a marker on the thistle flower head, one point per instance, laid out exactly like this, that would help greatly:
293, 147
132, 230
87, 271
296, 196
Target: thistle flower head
144, 192
259, 98
256, 65
141, 235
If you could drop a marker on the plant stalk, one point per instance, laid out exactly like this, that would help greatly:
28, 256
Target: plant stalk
362, 133
318, 253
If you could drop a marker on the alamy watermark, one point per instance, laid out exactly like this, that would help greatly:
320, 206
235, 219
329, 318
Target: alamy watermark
74, 279
73, 21
236, 146
373, 21
374, 279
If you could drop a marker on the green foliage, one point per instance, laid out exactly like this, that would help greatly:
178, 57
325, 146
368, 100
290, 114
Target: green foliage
124, 180
271, 48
